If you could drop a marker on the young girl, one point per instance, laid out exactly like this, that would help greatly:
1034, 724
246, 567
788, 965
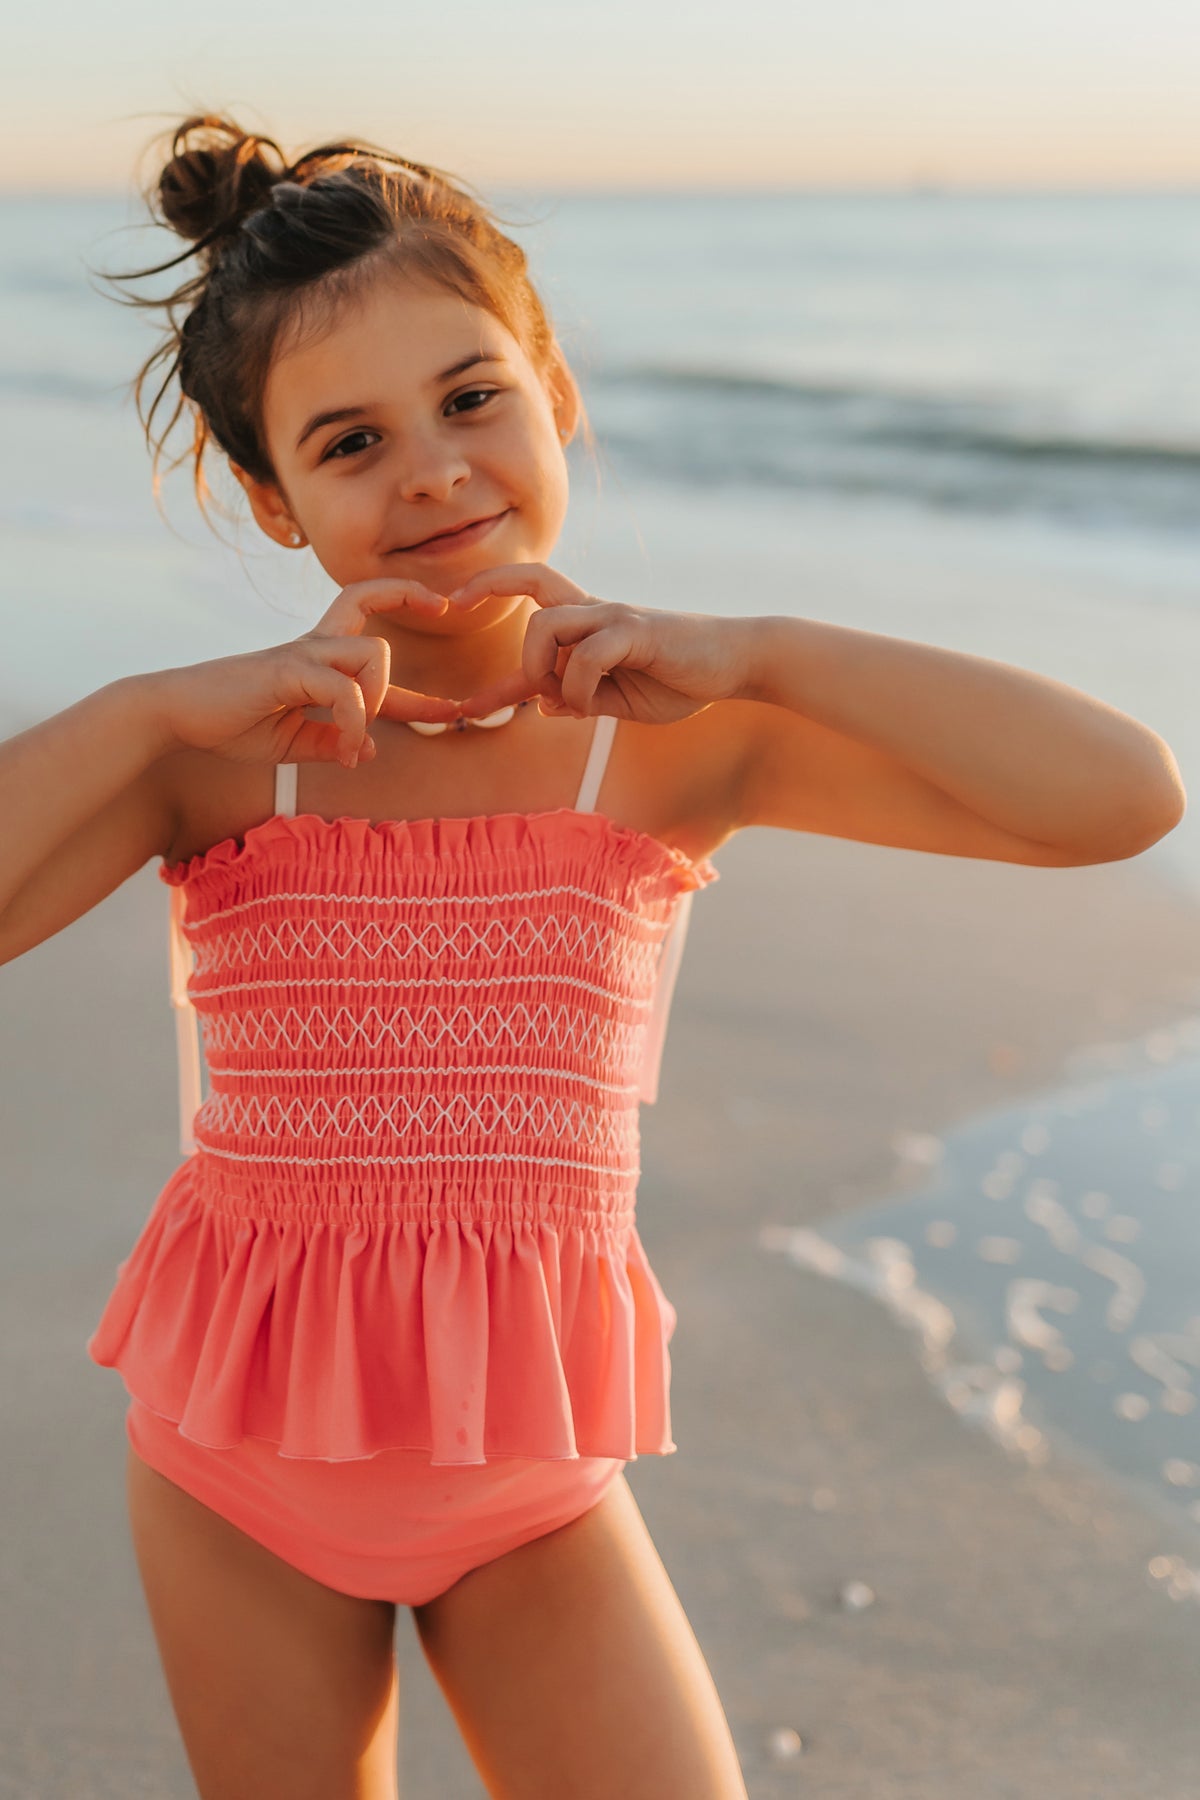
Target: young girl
389, 1333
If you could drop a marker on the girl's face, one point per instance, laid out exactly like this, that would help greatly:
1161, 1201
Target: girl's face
411, 414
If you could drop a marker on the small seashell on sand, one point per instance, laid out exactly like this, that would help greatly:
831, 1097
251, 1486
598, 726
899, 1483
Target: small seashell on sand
784, 1743
856, 1596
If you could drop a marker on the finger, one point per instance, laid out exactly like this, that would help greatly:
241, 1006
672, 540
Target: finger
356, 603
321, 685
315, 740
509, 690
406, 703
370, 660
543, 584
367, 660
547, 633
318, 740
590, 661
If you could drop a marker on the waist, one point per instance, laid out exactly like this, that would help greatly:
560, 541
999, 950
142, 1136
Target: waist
424, 1189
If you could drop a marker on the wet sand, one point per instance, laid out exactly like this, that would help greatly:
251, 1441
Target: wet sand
833, 997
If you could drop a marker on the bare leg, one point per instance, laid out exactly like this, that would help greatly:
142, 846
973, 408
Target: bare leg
574, 1674
284, 1689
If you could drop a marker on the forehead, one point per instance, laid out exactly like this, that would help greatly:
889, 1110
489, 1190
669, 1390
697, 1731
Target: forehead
383, 342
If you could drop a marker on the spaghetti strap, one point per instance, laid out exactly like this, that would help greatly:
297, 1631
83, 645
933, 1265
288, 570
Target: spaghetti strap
187, 1024
285, 789
603, 733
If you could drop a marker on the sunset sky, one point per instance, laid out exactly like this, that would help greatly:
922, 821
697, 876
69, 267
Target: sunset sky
629, 93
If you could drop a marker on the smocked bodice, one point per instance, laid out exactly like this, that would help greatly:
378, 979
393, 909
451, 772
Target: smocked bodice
459, 1002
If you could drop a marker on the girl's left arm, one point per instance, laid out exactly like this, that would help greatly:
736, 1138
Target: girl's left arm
861, 736
895, 742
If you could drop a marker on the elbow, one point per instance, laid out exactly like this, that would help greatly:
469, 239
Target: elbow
1152, 817
1157, 800
1169, 803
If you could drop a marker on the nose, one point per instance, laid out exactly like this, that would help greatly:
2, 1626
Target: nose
428, 465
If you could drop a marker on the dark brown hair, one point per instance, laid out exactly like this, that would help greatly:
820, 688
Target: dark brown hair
282, 244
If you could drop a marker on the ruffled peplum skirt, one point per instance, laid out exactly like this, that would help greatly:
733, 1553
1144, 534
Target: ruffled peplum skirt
511, 1322
388, 1402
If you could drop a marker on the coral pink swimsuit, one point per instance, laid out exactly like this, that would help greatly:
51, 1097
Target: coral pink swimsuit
391, 1316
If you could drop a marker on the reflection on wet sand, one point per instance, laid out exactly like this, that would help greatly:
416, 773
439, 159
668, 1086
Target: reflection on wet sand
1049, 1265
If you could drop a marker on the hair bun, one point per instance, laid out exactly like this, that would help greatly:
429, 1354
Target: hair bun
217, 175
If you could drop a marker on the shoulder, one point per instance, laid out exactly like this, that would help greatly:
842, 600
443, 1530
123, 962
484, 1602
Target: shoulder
684, 782
214, 798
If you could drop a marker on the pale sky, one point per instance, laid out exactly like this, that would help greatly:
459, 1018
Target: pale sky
626, 94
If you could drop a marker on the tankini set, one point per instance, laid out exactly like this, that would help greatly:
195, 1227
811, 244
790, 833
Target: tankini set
391, 1316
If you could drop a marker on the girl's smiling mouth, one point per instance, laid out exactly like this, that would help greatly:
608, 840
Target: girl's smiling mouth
449, 541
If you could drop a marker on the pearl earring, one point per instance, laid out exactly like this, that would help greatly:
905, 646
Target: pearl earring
295, 538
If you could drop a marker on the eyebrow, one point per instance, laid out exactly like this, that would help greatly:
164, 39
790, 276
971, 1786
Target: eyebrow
342, 414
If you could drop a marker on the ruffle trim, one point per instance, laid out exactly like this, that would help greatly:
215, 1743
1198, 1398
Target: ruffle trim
486, 835
469, 1339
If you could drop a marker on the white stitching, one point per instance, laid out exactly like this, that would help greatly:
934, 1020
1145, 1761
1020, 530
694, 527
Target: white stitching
426, 900
422, 981
479, 1156
569, 937
581, 1032
248, 1116
342, 1070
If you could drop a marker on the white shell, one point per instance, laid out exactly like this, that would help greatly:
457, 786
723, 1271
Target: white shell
430, 728
495, 718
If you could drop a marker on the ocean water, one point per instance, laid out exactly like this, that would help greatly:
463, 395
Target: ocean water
971, 421
1045, 1258
999, 355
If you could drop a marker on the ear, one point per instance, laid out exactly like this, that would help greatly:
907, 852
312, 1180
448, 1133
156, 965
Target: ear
270, 510
564, 394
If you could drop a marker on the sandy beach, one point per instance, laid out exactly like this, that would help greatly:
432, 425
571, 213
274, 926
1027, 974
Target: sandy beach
834, 995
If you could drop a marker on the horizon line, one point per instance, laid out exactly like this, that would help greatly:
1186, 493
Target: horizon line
933, 187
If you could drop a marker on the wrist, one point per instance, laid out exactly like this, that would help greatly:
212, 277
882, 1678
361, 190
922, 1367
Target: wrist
756, 657
144, 698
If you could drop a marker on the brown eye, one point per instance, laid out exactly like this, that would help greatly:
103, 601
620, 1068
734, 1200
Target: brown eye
343, 446
483, 394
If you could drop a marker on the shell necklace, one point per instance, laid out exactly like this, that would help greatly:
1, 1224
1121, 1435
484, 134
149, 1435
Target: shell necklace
431, 727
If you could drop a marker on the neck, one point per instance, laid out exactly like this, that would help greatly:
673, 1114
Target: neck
455, 664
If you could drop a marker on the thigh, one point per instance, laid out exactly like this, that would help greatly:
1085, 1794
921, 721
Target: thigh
572, 1670
281, 1686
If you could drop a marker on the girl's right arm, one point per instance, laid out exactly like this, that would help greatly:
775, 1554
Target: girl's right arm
89, 795
83, 803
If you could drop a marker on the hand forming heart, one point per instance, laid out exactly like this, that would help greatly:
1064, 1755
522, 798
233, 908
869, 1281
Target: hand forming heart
581, 655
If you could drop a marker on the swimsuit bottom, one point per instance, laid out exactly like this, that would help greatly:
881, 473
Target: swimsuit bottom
386, 1527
